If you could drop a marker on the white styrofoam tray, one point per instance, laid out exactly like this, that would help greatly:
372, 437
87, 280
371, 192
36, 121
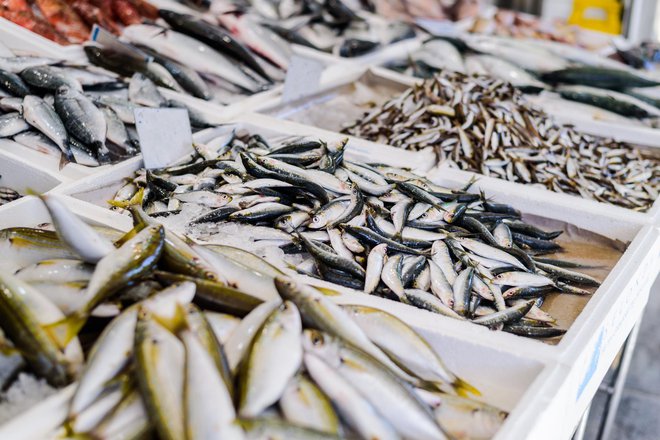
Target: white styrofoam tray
508, 377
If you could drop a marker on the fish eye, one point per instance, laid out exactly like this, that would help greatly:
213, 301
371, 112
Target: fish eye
316, 219
317, 340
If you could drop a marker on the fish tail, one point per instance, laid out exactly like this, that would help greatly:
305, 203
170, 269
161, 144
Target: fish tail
64, 330
135, 200
464, 389
176, 323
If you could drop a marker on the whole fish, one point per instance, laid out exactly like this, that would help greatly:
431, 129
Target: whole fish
266, 371
390, 397
190, 52
160, 364
214, 36
304, 404
357, 411
26, 313
13, 84
82, 118
258, 38
49, 78
43, 117
82, 238
12, 124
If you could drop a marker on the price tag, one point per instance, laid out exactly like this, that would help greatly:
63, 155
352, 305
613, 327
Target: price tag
164, 134
437, 27
107, 40
302, 78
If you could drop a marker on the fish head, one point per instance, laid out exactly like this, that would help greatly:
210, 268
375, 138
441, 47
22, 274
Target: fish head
65, 92
287, 288
174, 18
321, 345
318, 221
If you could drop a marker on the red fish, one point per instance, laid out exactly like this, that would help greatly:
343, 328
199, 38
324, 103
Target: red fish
19, 12
127, 13
94, 15
146, 9
64, 19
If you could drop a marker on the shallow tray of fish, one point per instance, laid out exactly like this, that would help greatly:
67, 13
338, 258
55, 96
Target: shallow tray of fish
504, 377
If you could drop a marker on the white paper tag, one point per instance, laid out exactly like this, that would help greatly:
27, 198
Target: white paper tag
164, 134
437, 27
108, 40
302, 78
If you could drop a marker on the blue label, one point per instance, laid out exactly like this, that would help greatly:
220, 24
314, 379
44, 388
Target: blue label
593, 364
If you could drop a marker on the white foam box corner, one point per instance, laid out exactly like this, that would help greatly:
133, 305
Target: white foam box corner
23, 177
47, 162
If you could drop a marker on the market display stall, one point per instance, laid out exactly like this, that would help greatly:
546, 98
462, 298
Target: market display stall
418, 245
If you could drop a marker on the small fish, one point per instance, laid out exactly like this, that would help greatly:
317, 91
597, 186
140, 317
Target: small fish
281, 332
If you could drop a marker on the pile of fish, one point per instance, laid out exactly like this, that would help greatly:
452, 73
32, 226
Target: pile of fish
485, 125
200, 349
378, 229
8, 195
198, 57
346, 28
66, 22
75, 112
557, 70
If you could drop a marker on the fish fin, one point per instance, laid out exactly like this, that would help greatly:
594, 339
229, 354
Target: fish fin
64, 161
63, 331
327, 291
135, 200
8, 349
464, 389
471, 182
175, 323
127, 236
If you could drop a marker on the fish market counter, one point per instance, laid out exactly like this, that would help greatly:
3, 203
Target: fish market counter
466, 244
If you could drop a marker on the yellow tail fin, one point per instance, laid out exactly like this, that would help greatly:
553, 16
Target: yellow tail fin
63, 331
464, 389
